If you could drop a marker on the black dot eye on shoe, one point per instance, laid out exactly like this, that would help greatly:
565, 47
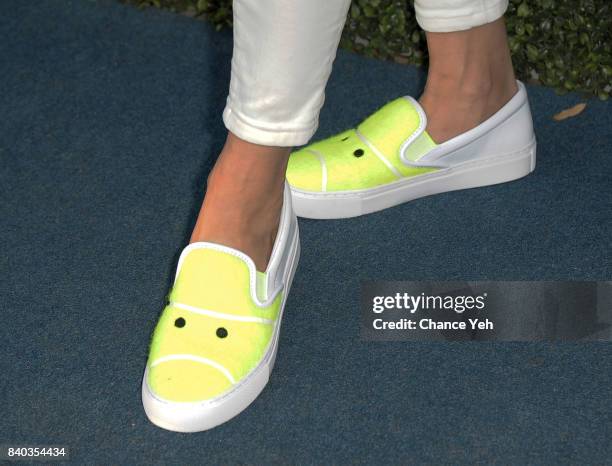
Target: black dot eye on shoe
180, 322
221, 332
358, 153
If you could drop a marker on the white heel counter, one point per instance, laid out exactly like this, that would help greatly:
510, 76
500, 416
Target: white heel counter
508, 131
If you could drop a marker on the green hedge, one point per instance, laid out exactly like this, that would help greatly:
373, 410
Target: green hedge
565, 44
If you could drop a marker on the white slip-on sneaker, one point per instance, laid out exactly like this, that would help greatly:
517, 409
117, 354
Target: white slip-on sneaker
215, 344
390, 159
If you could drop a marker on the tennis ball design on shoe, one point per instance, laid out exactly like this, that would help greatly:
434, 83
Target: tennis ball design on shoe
364, 157
212, 333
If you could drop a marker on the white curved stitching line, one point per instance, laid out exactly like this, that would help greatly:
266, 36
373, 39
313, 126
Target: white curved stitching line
417, 132
378, 154
318, 154
221, 315
191, 357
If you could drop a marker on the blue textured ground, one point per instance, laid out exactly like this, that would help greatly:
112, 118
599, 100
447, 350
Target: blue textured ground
110, 122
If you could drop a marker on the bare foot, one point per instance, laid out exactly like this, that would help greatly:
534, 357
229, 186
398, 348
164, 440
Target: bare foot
244, 199
470, 79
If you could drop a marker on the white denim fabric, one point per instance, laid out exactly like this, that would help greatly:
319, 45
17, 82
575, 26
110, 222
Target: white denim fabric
283, 56
457, 15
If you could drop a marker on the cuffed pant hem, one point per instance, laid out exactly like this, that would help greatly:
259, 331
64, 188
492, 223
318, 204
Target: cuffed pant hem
476, 14
257, 134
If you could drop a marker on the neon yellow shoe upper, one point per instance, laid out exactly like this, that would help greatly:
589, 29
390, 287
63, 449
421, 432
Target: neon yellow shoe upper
365, 157
212, 333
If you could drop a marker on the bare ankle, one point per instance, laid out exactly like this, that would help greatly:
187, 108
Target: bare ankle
470, 78
244, 199
474, 60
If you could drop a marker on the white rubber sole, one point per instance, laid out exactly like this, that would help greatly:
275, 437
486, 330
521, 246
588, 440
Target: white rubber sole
199, 416
481, 172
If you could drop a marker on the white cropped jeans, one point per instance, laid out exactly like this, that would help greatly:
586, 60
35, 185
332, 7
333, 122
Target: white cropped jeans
283, 55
